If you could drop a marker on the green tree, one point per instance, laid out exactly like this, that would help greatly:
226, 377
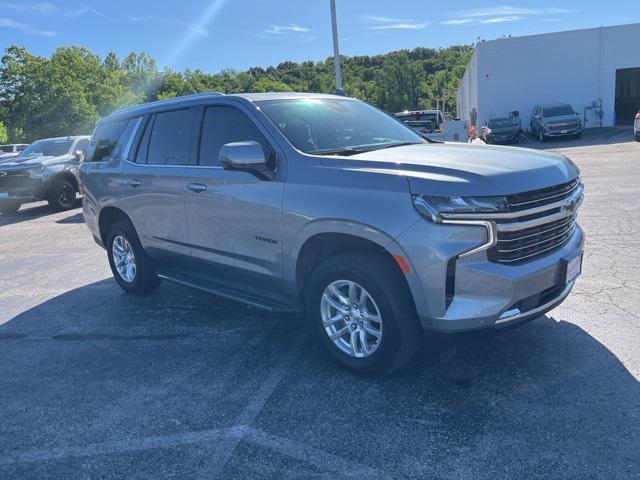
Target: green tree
4, 134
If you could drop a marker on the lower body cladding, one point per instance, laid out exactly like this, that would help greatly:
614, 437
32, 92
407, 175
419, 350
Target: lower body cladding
456, 293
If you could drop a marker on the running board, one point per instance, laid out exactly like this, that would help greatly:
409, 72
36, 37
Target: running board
230, 294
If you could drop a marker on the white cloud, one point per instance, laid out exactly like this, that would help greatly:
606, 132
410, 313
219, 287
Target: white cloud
506, 10
44, 8
500, 14
285, 28
390, 23
25, 28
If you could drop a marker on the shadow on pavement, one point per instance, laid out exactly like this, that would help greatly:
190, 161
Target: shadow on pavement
97, 366
31, 212
590, 137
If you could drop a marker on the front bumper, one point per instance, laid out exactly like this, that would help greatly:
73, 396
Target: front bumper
478, 293
562, 132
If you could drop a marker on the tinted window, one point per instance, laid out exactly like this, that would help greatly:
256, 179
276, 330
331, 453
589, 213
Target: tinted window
170, 138
558, 111
143, 146
52, 148
108, 140
223, 125
336, 126
82, 146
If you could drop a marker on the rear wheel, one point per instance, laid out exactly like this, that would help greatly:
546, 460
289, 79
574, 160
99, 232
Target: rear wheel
360, 310
62, 195
9, 208
131, 266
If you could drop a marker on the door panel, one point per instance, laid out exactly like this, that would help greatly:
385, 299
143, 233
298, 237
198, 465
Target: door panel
234, 219
155, 182
235, 226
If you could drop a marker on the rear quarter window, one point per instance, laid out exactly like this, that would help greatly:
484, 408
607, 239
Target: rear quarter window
109, 140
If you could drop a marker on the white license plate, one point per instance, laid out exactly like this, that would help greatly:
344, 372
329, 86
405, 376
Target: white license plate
574, 268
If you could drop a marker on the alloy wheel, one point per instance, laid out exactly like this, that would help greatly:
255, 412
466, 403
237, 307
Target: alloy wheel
351, 318
124, 259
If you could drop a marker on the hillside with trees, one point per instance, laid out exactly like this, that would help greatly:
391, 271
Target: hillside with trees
67, 92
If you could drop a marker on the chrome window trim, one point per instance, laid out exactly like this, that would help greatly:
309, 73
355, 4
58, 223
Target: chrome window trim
127, 148
574, 198
492, 238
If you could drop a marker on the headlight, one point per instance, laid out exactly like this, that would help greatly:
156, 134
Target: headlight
435, 208
36, 171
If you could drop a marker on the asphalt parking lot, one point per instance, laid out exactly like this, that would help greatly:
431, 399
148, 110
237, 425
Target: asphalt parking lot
95, 383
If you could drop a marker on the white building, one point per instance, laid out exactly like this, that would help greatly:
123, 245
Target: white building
581, 67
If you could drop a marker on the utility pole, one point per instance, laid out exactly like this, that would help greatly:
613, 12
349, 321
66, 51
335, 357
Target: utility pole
336, 49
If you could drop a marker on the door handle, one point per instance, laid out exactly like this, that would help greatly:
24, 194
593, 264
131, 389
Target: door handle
132, 182
196, 187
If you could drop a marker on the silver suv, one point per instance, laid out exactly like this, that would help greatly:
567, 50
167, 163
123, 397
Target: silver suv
326, 205
555, 120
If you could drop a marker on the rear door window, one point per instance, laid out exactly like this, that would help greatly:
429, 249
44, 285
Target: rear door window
170, 138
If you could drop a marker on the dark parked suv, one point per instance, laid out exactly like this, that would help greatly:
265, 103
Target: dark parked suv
325, 204
45, 170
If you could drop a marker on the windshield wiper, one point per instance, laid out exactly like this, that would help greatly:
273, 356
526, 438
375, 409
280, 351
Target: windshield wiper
400, 144
343, 152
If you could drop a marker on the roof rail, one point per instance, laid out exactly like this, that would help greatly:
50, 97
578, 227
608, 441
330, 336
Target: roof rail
167, 101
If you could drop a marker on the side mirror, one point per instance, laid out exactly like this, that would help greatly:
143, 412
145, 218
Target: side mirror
78, 155
245, 156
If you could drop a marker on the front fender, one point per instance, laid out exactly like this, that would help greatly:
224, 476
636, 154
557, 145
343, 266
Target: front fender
345, 227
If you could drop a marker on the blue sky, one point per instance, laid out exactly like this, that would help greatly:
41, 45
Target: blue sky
216, 34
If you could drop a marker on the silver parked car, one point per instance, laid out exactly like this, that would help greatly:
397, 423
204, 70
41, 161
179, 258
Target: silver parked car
327, 205
500, 130
45, 170
555, 120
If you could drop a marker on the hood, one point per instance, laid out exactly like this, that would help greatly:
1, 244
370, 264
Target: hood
26, 162
464, 169
561, 119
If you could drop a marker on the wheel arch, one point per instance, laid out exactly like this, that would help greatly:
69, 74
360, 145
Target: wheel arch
319, 242
108, 216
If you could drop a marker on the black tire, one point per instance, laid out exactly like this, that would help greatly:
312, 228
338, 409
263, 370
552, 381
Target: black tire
9, 208
379, 275
62, 195
541, 136
145, 279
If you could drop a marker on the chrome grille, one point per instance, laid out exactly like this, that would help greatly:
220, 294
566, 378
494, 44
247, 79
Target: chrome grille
537, 198
547, 222
521, 245
10, 179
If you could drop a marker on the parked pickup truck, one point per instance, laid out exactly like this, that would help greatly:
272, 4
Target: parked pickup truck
45, 170
324, 204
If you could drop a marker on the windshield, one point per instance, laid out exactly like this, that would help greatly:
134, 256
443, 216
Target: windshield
558, 110
500, 123
48, 148
336, 126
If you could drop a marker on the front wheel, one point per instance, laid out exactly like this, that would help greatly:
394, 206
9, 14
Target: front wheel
361, 311
62, 195
131, 266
